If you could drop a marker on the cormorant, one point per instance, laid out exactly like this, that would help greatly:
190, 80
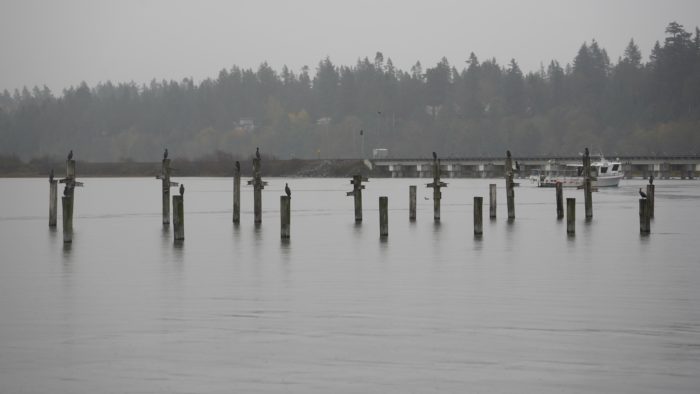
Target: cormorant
238, 166
641, 193
434, 156
508, 153
165, 154
182, 189
70, 154
51, 176
286, 190
651, 179
586, 152
257, 153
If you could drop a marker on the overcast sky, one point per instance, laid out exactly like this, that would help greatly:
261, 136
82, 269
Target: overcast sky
61, 43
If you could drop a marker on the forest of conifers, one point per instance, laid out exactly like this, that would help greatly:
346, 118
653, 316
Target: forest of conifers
477, 108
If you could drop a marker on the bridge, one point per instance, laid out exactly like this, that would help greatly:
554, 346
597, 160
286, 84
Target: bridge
662, 167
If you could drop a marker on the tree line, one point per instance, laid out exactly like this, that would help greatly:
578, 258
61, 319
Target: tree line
629, 106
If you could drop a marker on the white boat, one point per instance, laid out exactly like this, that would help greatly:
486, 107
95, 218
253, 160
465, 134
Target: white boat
605, 174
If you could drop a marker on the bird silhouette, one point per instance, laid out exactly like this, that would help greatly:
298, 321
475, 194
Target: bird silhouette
51, 176
182, 189
434, 156
165, 154
651, 179
586, 152
257, 153
70, 154
508, 153
641, 193
286, 190
238, 166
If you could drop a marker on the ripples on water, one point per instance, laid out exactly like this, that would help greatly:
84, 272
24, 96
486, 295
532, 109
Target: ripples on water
432, 309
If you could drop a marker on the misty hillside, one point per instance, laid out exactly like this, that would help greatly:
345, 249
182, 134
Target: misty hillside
478, 108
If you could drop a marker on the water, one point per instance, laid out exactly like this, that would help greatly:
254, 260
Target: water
432, 309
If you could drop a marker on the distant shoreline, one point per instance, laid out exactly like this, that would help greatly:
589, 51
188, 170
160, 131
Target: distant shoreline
272, 167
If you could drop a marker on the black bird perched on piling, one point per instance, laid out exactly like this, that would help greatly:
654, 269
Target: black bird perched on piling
165, 154
182, 189
508, 153
434, 156
51, 176
586, 152
238, 166
286, 190
257, 153
651, 179
70, 154
641, 193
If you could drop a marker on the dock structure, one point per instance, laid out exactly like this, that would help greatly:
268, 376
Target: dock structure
285, 216
492, 201
510, 186
644, 216
166, 183
560, 200
651, 189
478, 216
68, 199
436, 185
258, 186
571, 216
683, 166
356, 192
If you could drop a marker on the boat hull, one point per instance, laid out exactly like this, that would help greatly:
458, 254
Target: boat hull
607, 181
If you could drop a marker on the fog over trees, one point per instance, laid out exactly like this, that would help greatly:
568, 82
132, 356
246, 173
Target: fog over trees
473, 108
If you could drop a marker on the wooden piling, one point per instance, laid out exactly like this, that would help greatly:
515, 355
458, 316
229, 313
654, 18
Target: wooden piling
356, 193
178, 218
412, 191
258, 186
570, 216
436, 184
67, 206
650, 199
237, 194
285, 216
165, 181
560, 201
587, 185
492, 201
53, 200
644, 216
478, 216
510, 192
383, 216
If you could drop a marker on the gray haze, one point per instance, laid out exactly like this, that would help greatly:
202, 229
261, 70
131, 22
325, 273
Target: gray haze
62, 43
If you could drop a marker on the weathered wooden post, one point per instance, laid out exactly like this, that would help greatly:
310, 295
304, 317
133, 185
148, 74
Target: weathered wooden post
644, 216
412, 190
570, 216
285, 216
357, 194
179, 215
237, 193
67, 201
258, 186
53, 199
650, 196
587, 186
560, 200
510, 192
478, 216
436, 184
492, 201
383, 216
164, 176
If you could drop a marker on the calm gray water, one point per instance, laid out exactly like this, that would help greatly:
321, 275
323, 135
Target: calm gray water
432, 309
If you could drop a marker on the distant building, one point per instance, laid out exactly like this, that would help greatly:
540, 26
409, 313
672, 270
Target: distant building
246, 124
380, 153
325, 121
